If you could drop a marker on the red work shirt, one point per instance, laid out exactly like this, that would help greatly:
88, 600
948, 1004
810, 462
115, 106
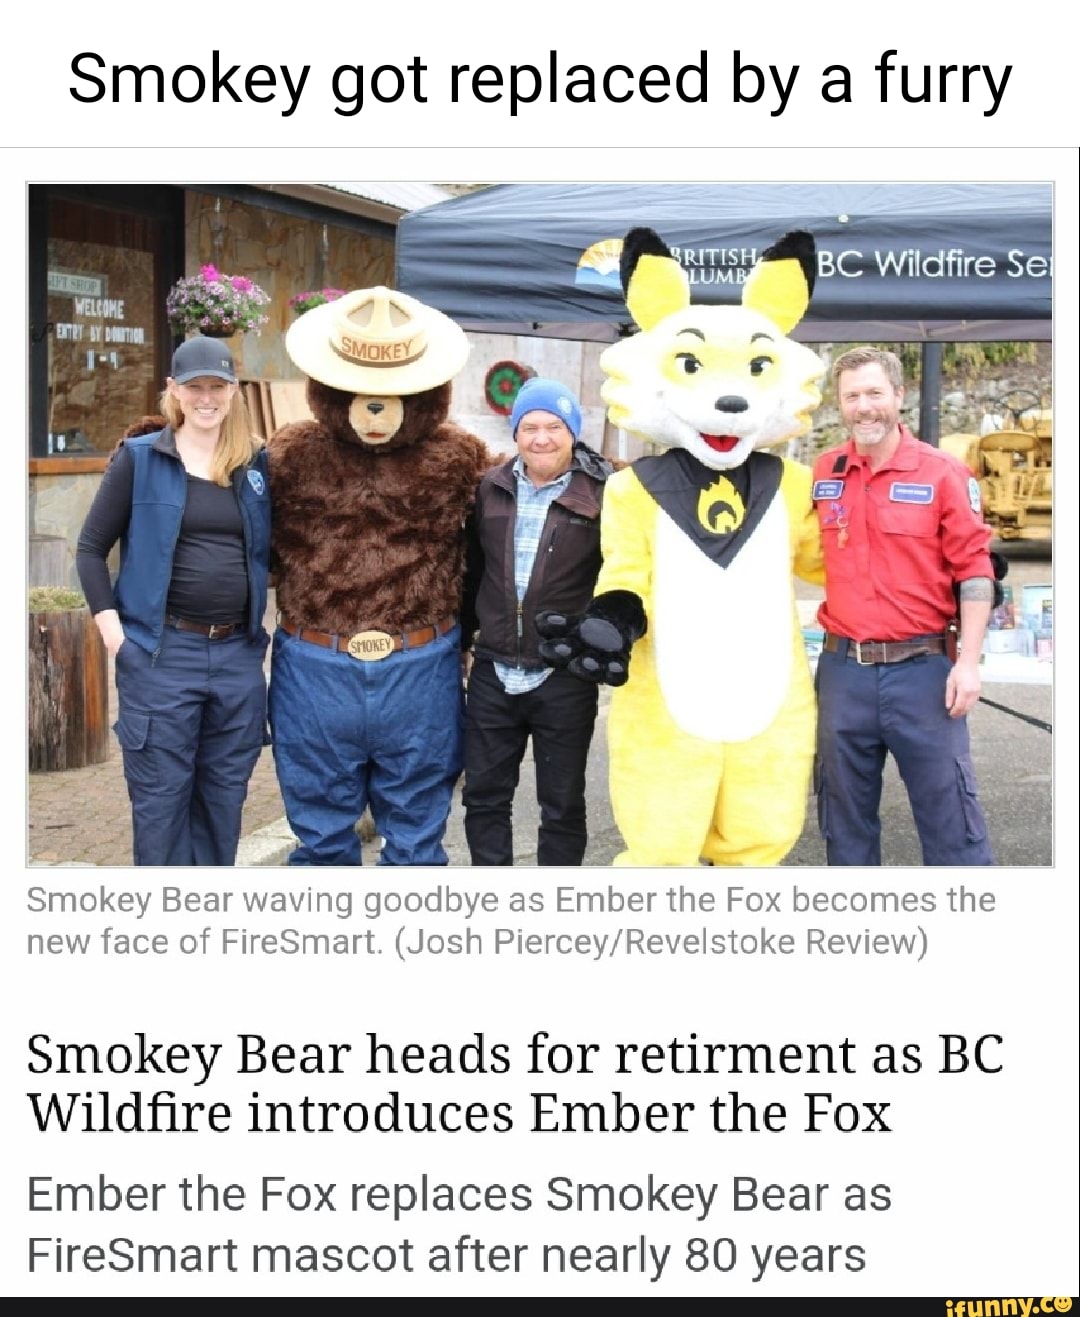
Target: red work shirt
896, 539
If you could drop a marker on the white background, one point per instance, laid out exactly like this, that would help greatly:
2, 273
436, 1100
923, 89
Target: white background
982, 1168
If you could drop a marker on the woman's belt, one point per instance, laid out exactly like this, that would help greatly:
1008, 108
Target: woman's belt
212, 630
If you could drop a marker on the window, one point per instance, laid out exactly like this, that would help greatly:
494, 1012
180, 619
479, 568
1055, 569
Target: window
101, 350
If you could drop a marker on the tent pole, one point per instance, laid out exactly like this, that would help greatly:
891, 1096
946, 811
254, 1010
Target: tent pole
930, 394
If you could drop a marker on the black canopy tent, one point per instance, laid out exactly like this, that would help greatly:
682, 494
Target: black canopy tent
897, 261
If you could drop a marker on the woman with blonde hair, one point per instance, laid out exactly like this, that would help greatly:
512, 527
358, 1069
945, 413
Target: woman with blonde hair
190, 505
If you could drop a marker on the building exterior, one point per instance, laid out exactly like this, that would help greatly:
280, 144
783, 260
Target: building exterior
101, 262
102, 259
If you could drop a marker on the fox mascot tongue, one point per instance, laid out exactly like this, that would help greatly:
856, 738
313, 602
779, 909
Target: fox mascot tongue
711, 729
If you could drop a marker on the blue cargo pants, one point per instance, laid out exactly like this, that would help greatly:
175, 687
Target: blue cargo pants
191, 723
867, 711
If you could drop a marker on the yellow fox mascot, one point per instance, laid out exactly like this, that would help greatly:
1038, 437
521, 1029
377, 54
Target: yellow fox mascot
711, 729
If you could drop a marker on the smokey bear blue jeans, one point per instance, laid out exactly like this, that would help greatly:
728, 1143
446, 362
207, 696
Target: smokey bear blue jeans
348, 734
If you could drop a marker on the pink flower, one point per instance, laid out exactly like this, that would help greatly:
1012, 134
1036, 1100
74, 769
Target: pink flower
211, 298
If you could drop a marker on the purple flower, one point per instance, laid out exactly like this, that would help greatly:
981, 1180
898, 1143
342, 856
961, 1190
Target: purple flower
210, 299
311, 298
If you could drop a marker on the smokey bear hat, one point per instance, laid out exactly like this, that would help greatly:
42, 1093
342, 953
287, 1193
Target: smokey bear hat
377, 341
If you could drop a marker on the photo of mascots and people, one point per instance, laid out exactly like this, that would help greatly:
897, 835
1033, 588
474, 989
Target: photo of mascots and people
696, 590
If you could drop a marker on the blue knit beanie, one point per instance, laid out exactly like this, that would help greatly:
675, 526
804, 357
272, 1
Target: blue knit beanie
547, 396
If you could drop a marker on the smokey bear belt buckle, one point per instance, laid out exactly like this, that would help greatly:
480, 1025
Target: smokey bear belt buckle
370, 646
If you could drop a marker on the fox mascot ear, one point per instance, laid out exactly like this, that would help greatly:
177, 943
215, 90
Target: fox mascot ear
780, 284
654, 283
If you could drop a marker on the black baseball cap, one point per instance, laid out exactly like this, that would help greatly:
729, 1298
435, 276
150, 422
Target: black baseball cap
202, 356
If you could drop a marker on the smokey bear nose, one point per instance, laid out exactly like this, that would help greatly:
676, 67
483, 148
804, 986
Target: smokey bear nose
376, 407
730, 402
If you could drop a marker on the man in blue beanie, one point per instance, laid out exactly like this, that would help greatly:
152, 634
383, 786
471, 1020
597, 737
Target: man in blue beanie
533, 546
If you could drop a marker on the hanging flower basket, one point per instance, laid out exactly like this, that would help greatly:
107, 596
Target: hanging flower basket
301, 302
215, 304
502, 384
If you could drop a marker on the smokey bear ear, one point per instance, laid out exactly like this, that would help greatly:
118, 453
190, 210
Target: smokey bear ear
779, 286
654, 284
144, 425
326, 404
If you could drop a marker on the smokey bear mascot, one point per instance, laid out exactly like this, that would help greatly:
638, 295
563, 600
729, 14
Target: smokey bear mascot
369, 502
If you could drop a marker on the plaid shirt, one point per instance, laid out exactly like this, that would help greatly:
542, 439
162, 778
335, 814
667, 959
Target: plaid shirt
532, 510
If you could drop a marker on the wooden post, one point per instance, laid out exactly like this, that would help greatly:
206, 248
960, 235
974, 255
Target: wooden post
68, 692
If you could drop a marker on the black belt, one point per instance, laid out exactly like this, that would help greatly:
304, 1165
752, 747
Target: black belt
885, 651
211, 630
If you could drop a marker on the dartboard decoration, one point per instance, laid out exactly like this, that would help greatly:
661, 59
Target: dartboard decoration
502, 384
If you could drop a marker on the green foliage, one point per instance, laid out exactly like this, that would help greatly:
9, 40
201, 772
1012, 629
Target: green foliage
824, 436
965, 362
968, 367
55, 599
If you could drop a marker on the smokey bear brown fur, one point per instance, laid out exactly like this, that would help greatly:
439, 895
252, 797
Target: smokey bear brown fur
369, 537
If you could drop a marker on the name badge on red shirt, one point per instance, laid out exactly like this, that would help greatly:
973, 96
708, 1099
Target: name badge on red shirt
828, 489
901, 493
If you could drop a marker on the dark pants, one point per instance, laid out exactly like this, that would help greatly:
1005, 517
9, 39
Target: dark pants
867, 711
559, 715
191, 725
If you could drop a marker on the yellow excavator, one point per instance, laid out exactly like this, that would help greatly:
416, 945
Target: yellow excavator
1012, 459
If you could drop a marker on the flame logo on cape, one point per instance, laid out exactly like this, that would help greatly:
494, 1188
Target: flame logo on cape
720, 508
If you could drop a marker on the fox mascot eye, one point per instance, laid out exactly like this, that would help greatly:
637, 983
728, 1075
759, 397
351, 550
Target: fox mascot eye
662, 389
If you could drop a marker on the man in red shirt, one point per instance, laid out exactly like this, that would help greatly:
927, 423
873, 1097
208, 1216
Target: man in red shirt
901, 526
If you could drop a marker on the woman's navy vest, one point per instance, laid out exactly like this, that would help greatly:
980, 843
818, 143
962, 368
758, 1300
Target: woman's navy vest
158, 496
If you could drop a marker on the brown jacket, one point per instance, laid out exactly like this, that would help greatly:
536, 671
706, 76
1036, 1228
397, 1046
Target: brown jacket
564, 572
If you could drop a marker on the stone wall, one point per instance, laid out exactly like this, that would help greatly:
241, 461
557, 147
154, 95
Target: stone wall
965, 401
573, 364
58, 506
283, 255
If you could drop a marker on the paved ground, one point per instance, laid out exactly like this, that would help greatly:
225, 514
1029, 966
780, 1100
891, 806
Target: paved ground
82, 816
